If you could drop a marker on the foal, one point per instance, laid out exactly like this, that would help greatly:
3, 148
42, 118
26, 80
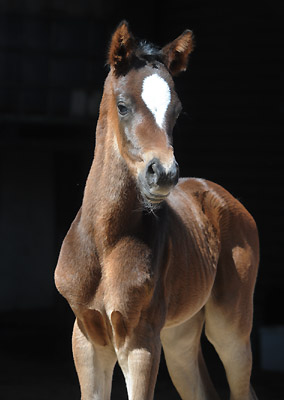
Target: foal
149, 259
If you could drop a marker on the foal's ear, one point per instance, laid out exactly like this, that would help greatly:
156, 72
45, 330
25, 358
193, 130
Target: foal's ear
121, 49
176, 53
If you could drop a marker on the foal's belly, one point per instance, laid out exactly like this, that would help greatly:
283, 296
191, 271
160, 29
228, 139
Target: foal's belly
183, 314
185, 305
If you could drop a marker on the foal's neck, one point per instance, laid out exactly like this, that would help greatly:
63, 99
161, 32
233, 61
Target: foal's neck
111, 208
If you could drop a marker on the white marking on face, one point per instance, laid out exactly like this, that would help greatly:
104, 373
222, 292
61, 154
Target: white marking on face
156, 95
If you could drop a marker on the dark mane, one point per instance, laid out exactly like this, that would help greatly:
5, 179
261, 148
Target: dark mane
127, 52
148, 52
145, 53
146, 49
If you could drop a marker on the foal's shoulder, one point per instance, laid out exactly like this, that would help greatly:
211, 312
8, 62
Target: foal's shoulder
77, 274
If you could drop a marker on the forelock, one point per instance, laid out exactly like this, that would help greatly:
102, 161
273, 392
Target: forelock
148, 52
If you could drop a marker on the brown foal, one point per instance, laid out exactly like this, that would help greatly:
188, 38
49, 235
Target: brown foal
151, 259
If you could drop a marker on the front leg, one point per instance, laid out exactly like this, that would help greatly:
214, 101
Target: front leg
94, 366
139, 358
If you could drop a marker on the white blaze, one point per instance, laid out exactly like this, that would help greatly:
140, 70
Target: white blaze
157, 96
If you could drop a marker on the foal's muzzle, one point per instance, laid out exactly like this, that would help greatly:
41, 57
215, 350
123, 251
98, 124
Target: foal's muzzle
157, 180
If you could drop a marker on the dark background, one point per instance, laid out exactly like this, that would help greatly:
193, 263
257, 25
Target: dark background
52, 69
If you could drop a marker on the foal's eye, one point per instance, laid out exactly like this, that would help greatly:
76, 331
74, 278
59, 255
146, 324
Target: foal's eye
122, 109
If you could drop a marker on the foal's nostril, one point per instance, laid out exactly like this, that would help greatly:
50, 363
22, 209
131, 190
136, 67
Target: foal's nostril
153, 172
157, 175
152, 169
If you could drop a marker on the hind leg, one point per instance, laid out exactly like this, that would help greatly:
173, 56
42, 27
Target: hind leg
228, 318
185, 362
229, 310
233, 347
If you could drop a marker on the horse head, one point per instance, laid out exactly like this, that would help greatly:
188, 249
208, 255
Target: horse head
144, 107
